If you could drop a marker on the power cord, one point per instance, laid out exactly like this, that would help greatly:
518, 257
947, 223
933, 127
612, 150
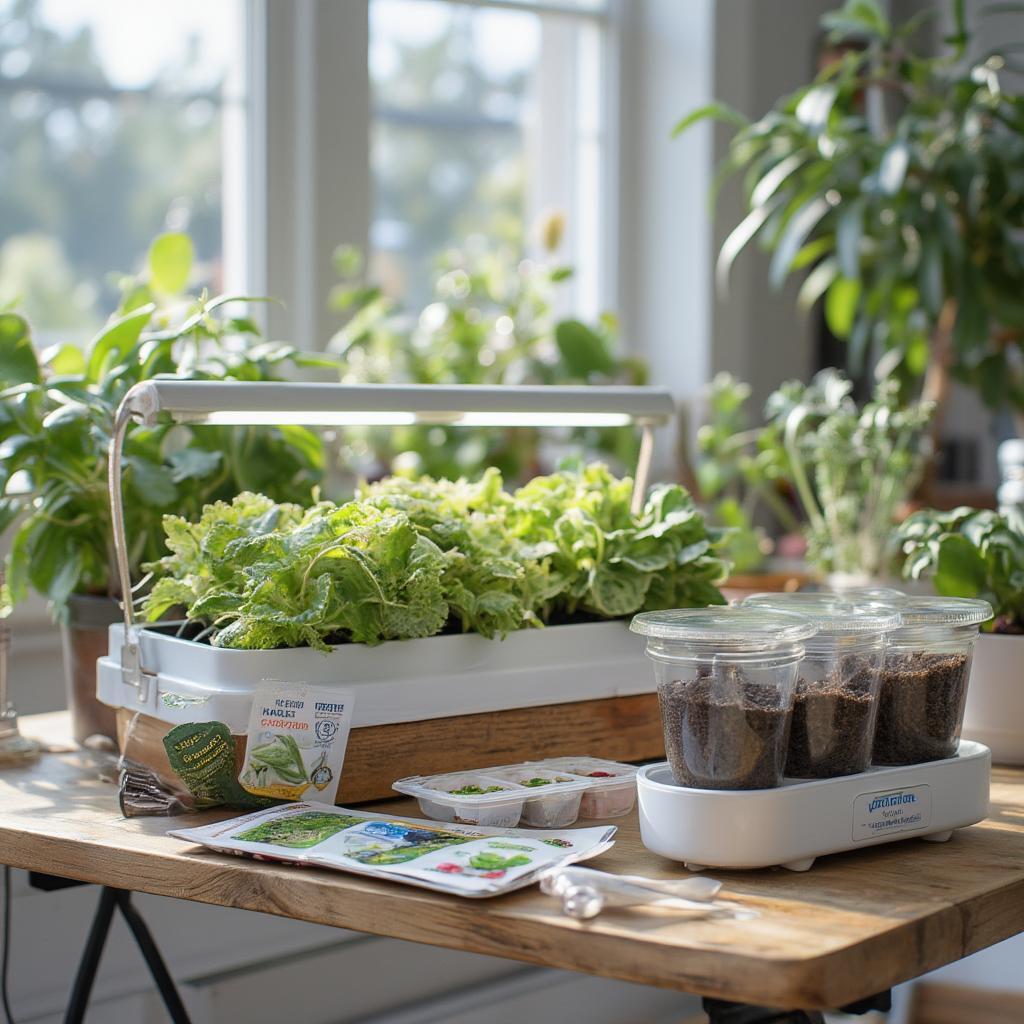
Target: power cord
5, 961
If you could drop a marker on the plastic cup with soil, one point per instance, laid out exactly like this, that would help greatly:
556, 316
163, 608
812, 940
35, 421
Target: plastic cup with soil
924, 679
726, 679
836, 702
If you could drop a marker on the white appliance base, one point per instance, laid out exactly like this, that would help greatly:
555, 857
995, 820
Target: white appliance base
802, 820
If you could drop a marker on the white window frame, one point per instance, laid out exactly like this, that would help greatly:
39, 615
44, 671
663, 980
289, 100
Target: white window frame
310, 184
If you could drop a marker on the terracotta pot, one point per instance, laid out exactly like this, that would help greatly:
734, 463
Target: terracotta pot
84, 639
741, 585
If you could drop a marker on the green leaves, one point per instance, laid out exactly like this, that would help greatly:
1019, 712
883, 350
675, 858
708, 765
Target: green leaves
115, 341
410, 557
713, 112
279, 761
858, 18
583, 350
901, 171
18, 364
57, 414
969, 553
816, 104
851, 467
892, 169
793, 237
170, 263
841, 304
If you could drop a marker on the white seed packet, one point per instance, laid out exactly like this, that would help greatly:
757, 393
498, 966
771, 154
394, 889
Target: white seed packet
296, 740
458, 859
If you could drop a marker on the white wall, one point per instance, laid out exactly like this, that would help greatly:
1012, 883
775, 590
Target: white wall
665, 231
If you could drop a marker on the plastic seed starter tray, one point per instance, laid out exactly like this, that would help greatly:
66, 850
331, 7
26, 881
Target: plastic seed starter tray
799, 821
539, 794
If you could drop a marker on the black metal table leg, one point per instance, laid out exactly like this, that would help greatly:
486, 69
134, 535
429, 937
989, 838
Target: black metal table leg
720, 1011
87, 966
85, 976
154, 961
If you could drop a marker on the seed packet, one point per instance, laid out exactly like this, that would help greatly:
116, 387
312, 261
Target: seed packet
296, 740
452, 858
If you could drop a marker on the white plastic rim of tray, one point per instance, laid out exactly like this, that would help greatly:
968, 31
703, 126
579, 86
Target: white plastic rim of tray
399, 681
801, 820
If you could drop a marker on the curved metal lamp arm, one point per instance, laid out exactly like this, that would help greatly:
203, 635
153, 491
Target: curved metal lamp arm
273, 403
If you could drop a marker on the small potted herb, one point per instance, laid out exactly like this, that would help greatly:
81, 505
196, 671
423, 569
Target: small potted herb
979, 553
851, 467
56, 416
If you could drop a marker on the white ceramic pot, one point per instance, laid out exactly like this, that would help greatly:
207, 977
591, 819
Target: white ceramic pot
995, 697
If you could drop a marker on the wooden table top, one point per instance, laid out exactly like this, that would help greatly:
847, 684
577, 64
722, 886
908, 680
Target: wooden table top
854, 925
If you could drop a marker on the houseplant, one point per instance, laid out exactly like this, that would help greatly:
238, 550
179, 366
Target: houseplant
492, 321
980, 553
741, 472
897, 178
852, 468
56, 415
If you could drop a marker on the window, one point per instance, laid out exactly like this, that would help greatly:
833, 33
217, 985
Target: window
232, 120
112, 120
484, 116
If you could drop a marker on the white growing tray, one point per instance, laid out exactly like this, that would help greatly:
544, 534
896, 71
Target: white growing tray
800, 820
399, 681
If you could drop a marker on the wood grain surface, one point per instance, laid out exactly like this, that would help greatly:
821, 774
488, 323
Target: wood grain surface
622, 728
855, 924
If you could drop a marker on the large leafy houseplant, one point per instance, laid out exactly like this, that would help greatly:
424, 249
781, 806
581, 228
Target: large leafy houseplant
492, 321
897, 178
57, 412
969, 552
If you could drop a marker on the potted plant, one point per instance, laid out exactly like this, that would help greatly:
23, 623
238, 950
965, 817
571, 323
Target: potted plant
851, 468
56, 416
741, 473
980, 553
897, 178
491, 321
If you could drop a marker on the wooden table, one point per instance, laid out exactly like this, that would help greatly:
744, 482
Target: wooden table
856, 924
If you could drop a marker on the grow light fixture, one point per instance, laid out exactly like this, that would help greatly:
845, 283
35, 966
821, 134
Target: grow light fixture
271, 403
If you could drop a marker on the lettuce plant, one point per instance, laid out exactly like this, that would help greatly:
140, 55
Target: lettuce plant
412, 558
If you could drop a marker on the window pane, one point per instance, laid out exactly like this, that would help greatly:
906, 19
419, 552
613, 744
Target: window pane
483, 118
111, 121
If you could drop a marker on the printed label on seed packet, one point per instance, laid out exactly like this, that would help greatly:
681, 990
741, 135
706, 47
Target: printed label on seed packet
296, 741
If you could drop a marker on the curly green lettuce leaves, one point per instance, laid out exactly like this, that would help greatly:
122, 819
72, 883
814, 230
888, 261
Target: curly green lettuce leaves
411, 558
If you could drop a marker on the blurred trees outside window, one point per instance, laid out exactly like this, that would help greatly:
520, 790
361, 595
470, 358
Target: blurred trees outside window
482, 119
111, 129
116, 125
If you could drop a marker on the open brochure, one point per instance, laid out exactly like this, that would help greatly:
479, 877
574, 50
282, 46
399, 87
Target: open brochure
468, 860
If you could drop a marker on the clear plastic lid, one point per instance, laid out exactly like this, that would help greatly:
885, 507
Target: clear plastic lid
882, 594
832, 613
739, 629
943, 611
